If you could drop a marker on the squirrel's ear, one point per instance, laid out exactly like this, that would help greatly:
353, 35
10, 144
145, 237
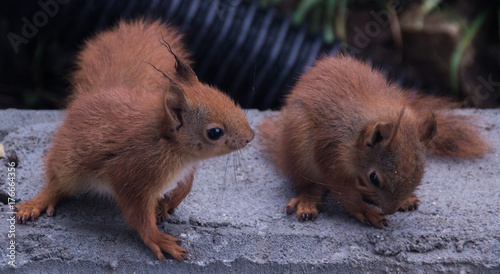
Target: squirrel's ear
175, 104
377, 133
428, 129
184, 73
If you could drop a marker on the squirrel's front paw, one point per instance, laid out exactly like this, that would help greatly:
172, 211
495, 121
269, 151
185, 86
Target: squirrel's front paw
372, 217
306, 209
410, 204
167, 243
31, 210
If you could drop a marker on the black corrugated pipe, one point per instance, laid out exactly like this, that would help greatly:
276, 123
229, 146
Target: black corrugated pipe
253, 54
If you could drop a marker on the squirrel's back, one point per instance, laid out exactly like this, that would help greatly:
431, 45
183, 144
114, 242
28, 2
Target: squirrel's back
120, 56
334, 100
337, 97
344, 93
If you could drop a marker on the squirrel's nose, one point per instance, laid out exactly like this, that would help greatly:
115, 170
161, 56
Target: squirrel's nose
252, 135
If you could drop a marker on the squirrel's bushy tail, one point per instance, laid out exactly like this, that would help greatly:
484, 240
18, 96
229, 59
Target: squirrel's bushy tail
458, 135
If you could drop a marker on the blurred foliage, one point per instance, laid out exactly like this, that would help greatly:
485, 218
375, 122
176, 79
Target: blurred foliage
330, 16
470, 32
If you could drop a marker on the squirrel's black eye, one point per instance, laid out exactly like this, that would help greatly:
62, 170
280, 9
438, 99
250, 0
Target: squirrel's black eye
215, 133
374, 179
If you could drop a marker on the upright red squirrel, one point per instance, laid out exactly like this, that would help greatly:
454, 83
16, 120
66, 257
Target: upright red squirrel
138, 123
345, 129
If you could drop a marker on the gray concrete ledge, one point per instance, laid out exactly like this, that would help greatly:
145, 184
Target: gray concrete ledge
234, 220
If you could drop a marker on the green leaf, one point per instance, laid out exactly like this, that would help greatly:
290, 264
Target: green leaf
456, 57
304, 7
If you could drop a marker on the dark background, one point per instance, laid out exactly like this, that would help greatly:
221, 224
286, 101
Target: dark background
253, 50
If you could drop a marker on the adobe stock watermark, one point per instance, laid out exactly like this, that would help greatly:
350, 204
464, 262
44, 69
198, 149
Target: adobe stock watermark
11, 234
30, 28
482, 92
381, 19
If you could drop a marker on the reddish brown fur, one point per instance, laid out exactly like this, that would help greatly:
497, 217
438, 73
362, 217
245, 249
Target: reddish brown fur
343, 121
132, 131
457, 134
130, 45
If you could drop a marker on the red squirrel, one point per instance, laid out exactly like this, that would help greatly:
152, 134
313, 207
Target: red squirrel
345, 129
137, 124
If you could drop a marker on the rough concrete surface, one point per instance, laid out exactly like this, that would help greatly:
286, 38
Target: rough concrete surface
234, 219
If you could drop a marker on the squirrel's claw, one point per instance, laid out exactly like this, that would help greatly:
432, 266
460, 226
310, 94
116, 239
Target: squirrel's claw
166, 243
307, 216
29, 210
384, 222
292, 204
306, 209
372, 217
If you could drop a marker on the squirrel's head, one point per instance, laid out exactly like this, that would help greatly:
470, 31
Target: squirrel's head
201, 120
392, 158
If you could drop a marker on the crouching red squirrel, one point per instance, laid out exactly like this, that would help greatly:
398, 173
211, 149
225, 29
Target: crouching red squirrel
137, 124
345, 129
